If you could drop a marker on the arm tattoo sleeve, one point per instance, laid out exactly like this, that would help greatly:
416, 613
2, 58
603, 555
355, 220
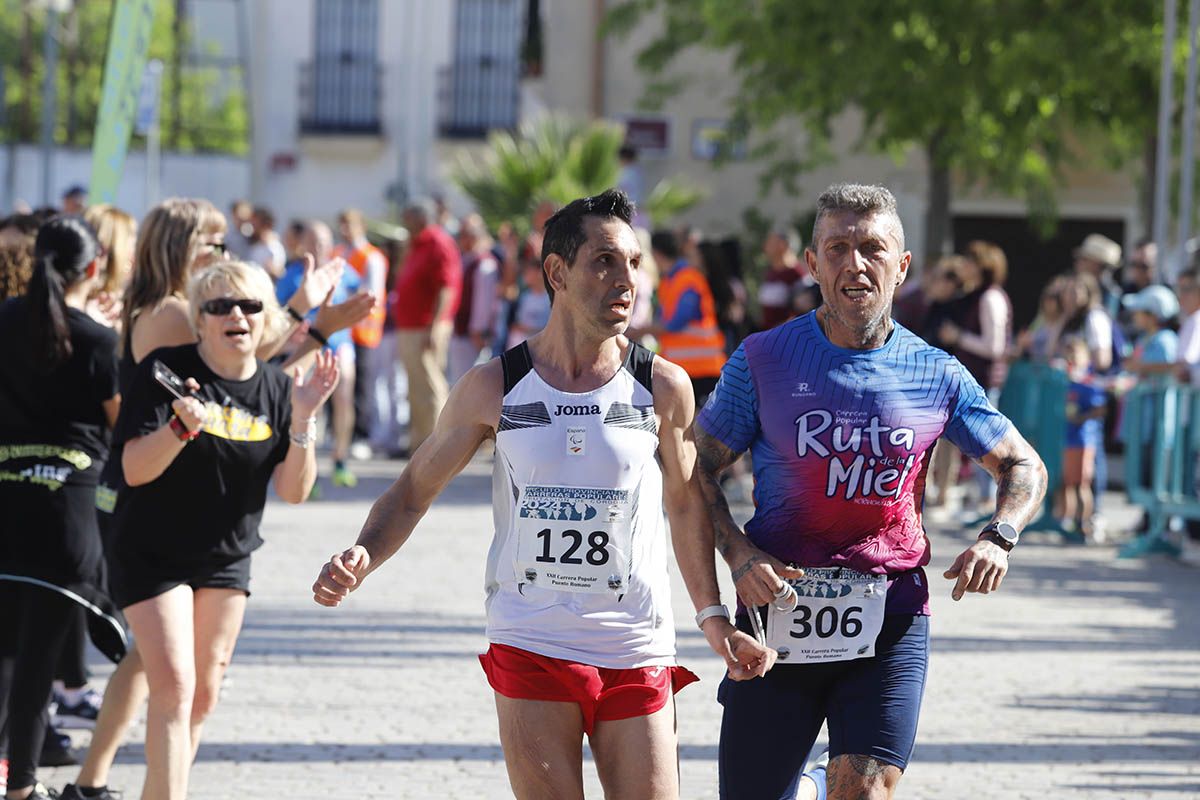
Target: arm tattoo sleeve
1021, 487
712, 459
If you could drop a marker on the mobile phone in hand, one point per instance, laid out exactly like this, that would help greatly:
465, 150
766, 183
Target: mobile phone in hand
170, 381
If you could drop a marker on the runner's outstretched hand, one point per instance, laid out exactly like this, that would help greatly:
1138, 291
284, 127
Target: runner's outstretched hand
979, 568
759, 577
341, 575
744, 657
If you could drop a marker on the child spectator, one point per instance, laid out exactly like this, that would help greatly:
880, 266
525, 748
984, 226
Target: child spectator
1153, 359
1153, 309
1085, 409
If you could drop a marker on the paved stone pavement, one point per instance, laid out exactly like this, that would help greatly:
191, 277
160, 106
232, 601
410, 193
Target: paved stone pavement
1081, 679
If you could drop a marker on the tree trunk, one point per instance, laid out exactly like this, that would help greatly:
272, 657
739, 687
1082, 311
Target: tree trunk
938, 231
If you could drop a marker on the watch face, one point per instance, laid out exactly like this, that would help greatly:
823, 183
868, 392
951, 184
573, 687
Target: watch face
1006, 531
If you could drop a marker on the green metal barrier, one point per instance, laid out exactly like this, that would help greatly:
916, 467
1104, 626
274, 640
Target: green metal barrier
1034, 397
1162, 426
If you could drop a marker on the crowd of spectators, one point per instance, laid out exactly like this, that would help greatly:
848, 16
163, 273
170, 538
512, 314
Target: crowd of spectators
411, 308
1109, 324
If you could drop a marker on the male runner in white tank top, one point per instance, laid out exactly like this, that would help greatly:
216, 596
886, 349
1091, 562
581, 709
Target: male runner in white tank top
592, 444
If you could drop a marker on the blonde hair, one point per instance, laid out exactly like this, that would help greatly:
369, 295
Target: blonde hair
117, 232
168, 243
241, 278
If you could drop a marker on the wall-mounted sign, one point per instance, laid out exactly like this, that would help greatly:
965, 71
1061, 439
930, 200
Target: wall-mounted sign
707, 137
649, 135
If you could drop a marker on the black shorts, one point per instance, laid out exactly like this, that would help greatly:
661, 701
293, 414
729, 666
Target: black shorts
871, 705
129, 584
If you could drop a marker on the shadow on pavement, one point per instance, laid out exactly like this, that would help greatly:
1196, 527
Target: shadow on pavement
1147, 700
929, 753
1052, 752
1157, 583
273, 633
1191, 788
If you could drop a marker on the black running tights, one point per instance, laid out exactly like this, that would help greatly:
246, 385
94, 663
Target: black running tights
34, 637
72, 664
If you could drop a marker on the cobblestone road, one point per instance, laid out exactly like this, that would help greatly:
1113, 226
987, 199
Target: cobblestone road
1081, 679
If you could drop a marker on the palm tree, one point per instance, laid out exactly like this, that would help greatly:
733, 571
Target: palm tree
555, 158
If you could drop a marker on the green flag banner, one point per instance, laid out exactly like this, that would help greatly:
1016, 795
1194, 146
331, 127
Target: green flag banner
127, 45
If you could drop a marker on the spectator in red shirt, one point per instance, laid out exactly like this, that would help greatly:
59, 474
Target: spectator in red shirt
427, 293
786, 274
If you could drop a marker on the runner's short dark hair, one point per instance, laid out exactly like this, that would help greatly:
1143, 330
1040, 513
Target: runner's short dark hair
862, 199
564, 234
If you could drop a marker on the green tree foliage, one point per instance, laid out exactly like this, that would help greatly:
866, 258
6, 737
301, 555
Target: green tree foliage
1002, 92
555, 158
211, 112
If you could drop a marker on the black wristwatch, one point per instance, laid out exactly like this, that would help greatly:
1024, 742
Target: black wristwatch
1002, 534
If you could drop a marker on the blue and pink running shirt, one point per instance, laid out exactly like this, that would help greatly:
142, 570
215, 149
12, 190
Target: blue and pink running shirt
840, 441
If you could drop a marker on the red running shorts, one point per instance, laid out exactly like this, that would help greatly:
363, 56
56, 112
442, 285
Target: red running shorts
602, 693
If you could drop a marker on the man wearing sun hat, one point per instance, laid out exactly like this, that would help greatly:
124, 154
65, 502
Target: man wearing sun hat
1100, 257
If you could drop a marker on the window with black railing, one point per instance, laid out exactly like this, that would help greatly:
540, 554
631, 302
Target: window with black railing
480, 90
340, 88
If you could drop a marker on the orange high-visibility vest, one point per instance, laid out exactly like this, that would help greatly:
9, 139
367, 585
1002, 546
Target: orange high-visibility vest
700, 347
369, 331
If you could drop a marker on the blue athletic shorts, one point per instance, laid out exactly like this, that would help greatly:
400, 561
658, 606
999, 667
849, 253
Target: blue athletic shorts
871, 704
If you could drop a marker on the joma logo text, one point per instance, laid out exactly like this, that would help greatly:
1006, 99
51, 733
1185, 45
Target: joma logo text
575, 411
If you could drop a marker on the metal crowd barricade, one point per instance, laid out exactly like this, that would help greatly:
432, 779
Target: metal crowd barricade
1034, 397
1162, 425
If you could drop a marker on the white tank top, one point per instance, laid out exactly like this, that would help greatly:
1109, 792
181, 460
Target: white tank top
578, 569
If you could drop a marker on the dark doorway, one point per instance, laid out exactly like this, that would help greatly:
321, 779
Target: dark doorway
1032, 260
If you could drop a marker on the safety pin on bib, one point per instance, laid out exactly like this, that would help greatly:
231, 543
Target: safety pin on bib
759, 634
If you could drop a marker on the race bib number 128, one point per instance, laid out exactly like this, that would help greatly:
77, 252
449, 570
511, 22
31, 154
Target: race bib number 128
574, 539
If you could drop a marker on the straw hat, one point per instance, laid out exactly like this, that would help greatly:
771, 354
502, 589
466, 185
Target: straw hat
1100, 249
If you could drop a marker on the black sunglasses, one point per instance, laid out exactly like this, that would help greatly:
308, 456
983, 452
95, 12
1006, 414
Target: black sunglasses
220, 306
220, 247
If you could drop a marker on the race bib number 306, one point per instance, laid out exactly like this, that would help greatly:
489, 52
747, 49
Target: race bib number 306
574, 539
838, 617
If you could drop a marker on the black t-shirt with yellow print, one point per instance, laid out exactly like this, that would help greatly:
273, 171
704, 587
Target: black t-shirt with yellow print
53, 440
205, 508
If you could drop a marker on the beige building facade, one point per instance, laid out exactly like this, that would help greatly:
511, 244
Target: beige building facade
589, 76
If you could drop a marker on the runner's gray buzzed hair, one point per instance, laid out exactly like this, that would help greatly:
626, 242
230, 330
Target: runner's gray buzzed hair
862, 199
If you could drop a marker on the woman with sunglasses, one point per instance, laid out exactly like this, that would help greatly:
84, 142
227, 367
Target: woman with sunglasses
176, 239
198, 468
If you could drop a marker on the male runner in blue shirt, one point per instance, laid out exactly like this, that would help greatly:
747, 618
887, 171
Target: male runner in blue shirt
840, 409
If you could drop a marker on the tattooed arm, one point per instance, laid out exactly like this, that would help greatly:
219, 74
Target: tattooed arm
1021, 479
756, 574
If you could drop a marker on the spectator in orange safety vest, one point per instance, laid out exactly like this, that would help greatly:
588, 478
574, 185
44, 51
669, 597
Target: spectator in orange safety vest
372, 267
686, 324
